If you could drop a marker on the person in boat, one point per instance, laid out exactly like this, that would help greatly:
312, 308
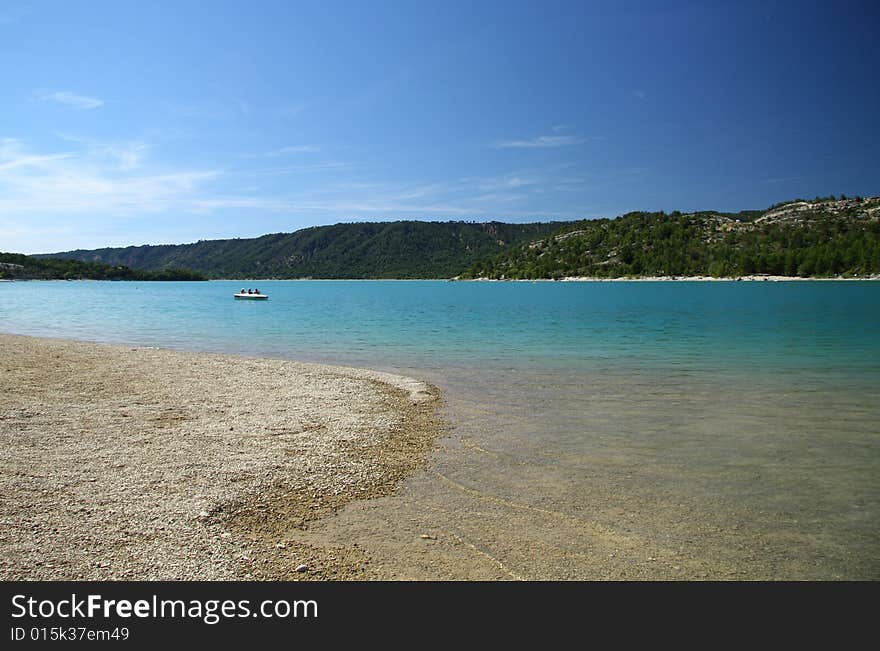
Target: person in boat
242, 291
250, 291
256, 291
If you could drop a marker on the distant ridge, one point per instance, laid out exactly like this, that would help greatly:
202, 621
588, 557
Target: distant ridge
401, 249
825, 237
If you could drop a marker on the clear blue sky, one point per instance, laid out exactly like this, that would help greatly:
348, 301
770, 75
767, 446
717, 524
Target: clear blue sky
147, 122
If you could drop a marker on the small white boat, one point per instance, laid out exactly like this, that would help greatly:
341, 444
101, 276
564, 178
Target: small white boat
251, 297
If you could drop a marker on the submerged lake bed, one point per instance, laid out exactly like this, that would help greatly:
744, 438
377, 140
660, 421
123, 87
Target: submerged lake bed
598, 430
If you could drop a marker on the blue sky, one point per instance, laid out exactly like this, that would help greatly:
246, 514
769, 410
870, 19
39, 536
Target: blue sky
163, 122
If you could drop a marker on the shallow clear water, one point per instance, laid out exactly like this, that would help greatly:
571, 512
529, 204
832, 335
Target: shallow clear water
724, 429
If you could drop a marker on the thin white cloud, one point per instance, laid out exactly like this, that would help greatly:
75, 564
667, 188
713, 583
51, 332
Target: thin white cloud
72, 100
573, 184
500, 196
501, 182
296, 169
639, 94
216, 108
781, 179
26, 160
295, 149
540, 142
379, 91
93, 193
92, 181
128, 154
517, 181
291, 110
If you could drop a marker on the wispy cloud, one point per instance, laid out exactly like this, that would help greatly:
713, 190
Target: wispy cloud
90, 193
379, 90
128, 154
290, 110
502, 182
92, 180
640, 94
296, 169
540, 142
573, 183
222, 107
110, 180
295, 149
507, 195
12, 162
781, 179
72, 100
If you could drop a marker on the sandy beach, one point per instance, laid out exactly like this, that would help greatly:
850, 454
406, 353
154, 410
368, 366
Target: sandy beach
139, 463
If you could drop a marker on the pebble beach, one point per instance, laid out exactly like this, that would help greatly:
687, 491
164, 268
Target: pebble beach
146, 464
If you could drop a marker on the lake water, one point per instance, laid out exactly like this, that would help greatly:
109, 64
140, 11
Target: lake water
599, 430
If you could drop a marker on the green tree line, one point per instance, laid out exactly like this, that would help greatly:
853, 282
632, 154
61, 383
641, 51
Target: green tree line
16, 266
661, 244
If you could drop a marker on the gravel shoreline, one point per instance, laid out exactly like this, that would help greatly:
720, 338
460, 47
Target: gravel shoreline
146, 464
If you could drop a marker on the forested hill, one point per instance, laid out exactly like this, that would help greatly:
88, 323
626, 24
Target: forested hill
822, 237
404, 249
15, 266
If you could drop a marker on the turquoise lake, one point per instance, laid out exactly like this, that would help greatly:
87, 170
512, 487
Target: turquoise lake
670, 429
829, 327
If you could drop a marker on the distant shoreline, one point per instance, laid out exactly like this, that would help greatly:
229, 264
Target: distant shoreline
753, 278
565, 279
579, 279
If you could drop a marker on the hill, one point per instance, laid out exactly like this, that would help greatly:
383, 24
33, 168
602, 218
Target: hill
822, 237
15, 266
403, 249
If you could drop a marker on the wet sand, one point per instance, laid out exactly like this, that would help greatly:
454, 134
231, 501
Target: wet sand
135, 463
636, 476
